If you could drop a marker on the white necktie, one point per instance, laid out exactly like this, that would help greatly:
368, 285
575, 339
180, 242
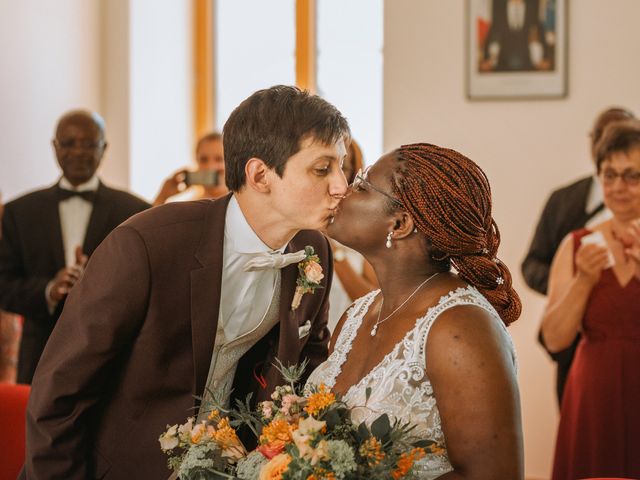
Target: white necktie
266, 260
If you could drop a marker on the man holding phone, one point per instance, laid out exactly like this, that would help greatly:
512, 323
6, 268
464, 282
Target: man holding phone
205, 182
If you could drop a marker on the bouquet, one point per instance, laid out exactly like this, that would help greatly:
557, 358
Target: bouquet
302, 435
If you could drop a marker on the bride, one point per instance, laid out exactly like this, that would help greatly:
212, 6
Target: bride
422, 217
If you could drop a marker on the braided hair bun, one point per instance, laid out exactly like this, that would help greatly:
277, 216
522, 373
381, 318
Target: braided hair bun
449, 198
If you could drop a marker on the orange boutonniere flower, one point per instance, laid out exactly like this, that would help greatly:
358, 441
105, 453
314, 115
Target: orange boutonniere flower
309, 276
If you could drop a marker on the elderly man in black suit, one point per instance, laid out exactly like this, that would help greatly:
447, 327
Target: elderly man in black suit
47, 235
568, 209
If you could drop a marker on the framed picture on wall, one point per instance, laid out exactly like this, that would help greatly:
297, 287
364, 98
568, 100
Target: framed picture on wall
516, 49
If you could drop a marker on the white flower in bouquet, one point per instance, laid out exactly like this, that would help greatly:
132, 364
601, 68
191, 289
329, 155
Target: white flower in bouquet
201, 458
310, 425
342, 458
266, 408
302, 436
169, 439
291, 404
184, 430
249, 466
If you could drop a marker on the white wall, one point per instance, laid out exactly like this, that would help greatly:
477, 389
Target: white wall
129, 60
50, 61
526, 147
160, 95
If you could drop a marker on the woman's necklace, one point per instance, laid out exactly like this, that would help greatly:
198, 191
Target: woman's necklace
374, 330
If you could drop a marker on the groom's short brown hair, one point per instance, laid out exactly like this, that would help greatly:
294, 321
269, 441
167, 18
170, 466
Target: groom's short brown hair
271, 124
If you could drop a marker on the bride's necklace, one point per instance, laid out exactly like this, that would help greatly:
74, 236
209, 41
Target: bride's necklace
374, 330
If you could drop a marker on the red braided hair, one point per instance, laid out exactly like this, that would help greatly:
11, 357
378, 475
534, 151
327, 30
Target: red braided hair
449, 199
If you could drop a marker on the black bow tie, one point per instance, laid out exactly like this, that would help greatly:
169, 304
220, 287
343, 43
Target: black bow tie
63, 194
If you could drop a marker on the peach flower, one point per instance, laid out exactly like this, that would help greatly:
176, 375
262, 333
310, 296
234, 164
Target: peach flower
313, 272
275, 468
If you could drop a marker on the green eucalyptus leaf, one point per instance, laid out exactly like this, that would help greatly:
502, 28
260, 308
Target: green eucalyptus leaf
332, 418
363, 432
381, 427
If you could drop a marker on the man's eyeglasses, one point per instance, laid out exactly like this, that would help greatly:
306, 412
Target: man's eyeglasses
629, 177
361, 178
69, 143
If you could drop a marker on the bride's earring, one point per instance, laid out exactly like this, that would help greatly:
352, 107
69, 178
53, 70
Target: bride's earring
388, 242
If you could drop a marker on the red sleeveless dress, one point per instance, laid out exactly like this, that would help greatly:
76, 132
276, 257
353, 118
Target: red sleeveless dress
599, 432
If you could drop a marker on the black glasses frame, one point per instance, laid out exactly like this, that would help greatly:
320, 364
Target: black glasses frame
360, 178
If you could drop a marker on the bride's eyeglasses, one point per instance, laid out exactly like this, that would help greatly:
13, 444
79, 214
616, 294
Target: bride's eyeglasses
361, 179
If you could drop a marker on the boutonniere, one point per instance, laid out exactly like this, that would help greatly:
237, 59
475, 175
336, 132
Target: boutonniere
309, 276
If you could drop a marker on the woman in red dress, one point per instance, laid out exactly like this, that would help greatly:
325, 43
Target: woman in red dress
594, 288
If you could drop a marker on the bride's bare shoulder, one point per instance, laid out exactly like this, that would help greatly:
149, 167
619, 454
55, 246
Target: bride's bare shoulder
467, 334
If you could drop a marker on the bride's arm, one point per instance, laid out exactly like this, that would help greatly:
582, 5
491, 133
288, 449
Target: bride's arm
471, 369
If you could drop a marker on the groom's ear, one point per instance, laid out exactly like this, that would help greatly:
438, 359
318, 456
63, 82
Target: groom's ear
256, 174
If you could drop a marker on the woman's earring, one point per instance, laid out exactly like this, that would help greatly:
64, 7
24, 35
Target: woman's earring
388, 243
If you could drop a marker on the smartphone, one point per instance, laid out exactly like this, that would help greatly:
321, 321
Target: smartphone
208, 178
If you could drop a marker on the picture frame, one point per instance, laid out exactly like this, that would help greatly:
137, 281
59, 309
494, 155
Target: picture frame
516, 49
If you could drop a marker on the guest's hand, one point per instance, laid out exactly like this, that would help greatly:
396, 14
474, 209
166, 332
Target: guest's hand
339, 252
633, 250
67, 277
171, 186
81, 258
63, 282
591, 259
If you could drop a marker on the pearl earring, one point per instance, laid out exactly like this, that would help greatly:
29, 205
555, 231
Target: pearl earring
388, 242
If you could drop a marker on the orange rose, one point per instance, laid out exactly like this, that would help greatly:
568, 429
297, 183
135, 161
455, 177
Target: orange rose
313, 272
275, 468
270, 451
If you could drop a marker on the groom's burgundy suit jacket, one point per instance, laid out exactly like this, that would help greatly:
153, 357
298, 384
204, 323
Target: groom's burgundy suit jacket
134, 344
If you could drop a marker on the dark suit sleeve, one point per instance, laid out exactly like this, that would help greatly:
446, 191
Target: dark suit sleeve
19, 293
316, 350
537, 263
100, 321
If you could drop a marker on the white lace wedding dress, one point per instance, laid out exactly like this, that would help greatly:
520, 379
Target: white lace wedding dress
399, 386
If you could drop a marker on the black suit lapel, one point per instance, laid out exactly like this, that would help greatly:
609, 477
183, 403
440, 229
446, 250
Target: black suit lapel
206, 283
51, 222
288, 342
98, 226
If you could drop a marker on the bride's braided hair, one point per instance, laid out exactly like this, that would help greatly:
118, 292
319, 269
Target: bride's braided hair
449, 199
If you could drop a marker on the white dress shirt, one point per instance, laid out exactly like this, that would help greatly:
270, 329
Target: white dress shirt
245, 295
515, 14
249, 302
75, 213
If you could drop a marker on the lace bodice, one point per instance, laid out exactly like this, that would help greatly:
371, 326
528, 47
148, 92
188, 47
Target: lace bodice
399, 385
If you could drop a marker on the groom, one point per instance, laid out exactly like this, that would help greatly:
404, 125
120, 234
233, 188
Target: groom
174, 300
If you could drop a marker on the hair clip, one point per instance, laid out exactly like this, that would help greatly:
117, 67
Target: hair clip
499, 280
485, 251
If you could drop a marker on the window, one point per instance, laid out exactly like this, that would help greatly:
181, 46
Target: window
255, 47
349, 66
